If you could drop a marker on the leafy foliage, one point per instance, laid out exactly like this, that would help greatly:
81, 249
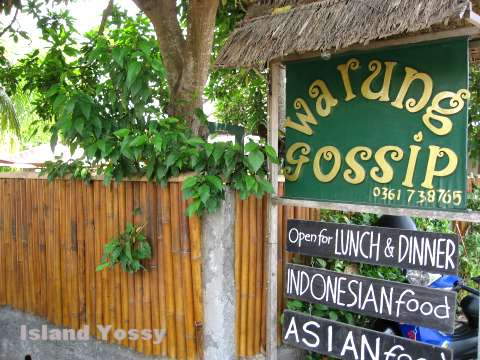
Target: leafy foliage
8, 116
128, 250
240, 97
474, 113
108, 97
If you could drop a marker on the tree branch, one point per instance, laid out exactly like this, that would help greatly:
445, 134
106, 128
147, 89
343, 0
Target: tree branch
106, 13
200, 34
163, 15
11, 23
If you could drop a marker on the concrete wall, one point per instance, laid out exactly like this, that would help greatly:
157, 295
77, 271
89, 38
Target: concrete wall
218, 251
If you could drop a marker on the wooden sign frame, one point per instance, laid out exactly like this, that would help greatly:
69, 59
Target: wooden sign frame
353, 341
389, 300
276, 111
404, 249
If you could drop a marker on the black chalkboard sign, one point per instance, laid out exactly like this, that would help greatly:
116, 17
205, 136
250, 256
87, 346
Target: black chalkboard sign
353, 343
433, 252
389, 300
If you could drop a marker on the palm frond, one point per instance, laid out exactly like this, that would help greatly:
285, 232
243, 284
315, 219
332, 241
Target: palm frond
8, 115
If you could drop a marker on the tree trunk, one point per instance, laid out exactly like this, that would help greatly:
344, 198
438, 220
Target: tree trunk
186, 58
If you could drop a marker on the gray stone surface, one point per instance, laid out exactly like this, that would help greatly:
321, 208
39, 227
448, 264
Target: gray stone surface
289, 353
218, 251
12, 347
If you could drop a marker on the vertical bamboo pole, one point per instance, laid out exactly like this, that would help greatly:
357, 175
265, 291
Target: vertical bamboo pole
195, 229
252, 255
168, 269
98, 203
244, 280
117, 293
37, 234
160, 262
138, 279
14, 296
108, 275
3, 257
131, 278
272, 247
64, 229
123, 275
90, 261
41, 188
72, 247
264, 275
259, 274
185, 256
21, 241
6, 237
50, 252
238, 267
153, 263
28, 246
178, 271
146, 275
57, 250
81, 229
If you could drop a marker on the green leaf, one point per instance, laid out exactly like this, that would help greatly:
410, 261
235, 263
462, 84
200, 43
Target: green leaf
134, 68
333, 315
85, 108
271, 153
193, 207
255, 160
215, 181
195, 141
102, 266
189, 182
250, 182
266, 186
138, 141
251, 146
204, 192
118, 54
122, 132
59, 102
79, 125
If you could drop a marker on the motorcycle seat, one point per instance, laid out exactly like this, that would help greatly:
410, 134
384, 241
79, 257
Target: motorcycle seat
470, 304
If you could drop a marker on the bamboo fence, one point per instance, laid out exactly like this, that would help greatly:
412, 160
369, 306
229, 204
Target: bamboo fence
51, 240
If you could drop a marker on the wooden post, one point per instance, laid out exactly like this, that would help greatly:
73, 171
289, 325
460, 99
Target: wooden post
275, 92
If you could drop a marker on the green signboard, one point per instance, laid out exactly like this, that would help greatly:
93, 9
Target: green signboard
385, 127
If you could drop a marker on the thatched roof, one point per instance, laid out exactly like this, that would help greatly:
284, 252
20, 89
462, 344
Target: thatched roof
275, 28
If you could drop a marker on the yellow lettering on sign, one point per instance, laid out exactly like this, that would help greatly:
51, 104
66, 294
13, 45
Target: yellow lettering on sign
437, 152
328, 153
457, 102
396, 153
411, 104
356, 173
352, 64
412, 162
325, 100
375, 67
298, 162
305, 119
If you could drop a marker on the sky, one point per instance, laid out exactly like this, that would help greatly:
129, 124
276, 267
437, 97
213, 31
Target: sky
88, 14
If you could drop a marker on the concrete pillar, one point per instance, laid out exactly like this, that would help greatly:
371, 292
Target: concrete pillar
218, 252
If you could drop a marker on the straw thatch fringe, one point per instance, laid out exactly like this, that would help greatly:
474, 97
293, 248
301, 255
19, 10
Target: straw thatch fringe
275, 28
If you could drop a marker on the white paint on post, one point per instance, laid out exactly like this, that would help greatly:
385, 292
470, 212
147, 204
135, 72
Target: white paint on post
218, 251
277, 91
